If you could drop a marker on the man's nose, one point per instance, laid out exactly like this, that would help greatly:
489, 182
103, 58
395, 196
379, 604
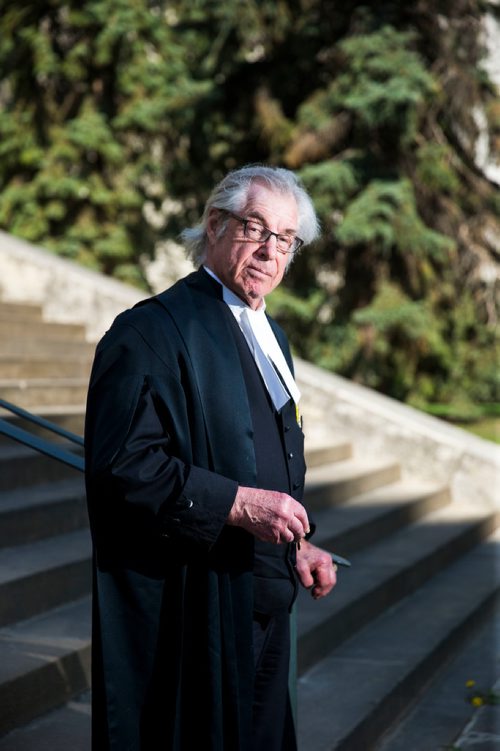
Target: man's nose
268, 248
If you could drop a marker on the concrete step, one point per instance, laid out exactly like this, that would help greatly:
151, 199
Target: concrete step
349, 699
47, 348
384, 573
43, 574
67, 727
33, 329
45, 661
317, 456
332, 484
366, 518
38, 392
13, 311
22, 467
443, 714
432, 726
27, 367
45, 510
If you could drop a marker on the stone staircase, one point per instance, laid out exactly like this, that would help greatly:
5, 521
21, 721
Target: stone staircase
422, 583
45, 551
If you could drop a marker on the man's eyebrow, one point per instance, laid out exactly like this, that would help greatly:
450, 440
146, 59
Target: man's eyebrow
256, 215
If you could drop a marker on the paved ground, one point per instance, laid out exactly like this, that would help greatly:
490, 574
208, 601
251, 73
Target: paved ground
483, 732
443, 720
65, 729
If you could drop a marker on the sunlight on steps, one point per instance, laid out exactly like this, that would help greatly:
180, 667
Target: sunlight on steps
424, 577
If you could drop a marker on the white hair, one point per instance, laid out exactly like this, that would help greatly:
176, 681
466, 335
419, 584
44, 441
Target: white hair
231, 194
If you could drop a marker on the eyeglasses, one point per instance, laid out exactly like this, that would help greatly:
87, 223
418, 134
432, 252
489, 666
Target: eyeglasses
256, 232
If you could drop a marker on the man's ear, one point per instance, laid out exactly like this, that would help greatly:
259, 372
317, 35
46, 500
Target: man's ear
213, 224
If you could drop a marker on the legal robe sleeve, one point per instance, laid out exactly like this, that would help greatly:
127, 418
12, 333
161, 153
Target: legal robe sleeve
137, 437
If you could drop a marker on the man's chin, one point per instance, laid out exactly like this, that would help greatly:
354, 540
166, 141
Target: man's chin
253, 295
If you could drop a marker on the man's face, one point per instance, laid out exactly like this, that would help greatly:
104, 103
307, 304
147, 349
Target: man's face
251, 269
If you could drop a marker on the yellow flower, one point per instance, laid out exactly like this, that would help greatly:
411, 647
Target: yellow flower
470, 684
477, 701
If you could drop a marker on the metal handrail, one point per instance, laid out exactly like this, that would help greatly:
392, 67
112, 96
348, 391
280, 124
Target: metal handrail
41, 444
41, 422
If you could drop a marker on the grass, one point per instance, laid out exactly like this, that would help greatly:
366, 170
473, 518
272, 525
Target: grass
482, 420
487, 427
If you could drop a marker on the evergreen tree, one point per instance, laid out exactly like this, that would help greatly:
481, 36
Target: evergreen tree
93, 97
119, 115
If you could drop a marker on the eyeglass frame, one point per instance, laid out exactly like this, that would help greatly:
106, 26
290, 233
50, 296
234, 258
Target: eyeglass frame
297, 242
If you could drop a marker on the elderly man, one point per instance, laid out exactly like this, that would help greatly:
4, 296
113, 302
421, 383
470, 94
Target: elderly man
195, 475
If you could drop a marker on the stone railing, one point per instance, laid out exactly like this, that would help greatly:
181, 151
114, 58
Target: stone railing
425, 446
66, 291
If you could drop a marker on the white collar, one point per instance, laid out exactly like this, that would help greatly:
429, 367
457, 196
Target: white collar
236, 304
264, 346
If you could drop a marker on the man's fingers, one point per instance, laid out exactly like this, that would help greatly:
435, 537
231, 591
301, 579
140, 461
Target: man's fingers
301, 515
288, 536
297, 528
324, 580
290, 519
269, 515
294, 532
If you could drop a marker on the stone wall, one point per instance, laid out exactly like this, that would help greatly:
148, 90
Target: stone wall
426, 447
66, 291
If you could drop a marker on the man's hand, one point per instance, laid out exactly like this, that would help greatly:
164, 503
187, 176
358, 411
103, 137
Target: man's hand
315, 569
269, 515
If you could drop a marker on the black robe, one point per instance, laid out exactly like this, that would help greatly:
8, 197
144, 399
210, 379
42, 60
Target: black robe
168, 439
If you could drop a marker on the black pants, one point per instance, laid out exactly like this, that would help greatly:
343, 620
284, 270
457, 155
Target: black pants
273, 724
